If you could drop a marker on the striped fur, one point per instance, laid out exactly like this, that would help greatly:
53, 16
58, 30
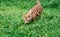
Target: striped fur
32, 14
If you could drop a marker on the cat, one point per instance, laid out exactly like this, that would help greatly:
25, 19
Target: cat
34, 12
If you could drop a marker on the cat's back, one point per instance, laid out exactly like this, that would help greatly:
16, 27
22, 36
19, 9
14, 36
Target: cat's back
36, 8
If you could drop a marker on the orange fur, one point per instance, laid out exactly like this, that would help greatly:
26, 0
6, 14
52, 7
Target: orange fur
32, 14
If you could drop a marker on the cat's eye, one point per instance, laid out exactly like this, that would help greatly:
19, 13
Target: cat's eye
28, 16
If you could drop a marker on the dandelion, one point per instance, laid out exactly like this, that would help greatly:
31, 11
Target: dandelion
20, 27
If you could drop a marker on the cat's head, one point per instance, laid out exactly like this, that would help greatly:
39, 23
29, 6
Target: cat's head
27, 18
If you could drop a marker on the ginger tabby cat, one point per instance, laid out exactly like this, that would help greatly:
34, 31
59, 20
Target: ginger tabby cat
32, 14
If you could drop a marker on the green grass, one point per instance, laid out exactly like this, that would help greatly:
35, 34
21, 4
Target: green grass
12, 23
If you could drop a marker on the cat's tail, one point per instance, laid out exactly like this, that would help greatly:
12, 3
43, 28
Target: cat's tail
38, 2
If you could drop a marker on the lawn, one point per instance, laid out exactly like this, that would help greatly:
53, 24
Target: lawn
12, 23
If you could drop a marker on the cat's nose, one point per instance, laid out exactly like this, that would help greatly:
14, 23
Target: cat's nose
26, 22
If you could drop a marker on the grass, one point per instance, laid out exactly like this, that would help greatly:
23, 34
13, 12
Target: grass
11, 23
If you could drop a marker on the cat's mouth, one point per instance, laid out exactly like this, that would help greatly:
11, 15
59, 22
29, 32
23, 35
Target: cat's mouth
26, 21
